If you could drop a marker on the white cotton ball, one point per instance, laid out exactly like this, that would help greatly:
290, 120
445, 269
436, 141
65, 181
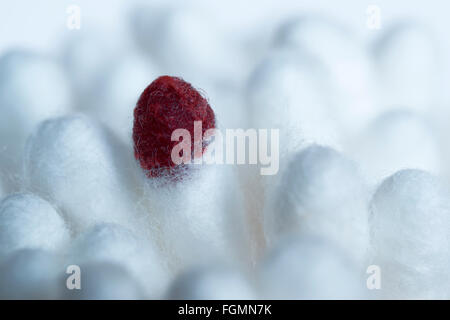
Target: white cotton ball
347, 68
309, 268
32, 89
198, 217
115, 244
285, 92
27, 221
30, 274
409, 67
188, 43
396, 140
118, 90
84, 170
211, 283
321, 193
104, 281
409, 223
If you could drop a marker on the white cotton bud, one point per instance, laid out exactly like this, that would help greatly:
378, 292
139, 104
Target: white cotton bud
409, 67
398, 139
30, 274
309, 268
104, 281
27, 221
409, 223
115, 244
83, 169
33, 88
346, 69
211, 283
321, 193
118, 90
198, 218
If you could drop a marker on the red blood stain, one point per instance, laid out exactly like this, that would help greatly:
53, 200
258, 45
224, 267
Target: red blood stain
167, 104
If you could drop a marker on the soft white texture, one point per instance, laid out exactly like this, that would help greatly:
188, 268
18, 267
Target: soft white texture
408, 66
86, 57
30, 274
2, 190
409, 223
104, 281
84, 170
309, 268
119, 89
187, 43
321, 193
346, 67
32, 89
27, 221
115, 244
198, 217
211, 283
285, 92
398, 139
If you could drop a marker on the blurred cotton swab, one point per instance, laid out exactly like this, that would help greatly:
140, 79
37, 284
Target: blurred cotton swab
32, 89
82, 168
321, 193
27, 221
409, 222
194, 206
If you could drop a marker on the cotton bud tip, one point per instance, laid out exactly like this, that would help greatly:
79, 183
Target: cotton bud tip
166, 105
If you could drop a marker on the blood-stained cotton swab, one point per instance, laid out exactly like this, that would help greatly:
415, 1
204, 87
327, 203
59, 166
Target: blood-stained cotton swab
194, 206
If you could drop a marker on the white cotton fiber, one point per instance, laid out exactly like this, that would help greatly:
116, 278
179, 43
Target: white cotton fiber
198, 217
32, 89
118, 90
2, 189
398, 139
103, 281
86, 57
285, 92
346, 66
84, 170
27, 221
409, 67
211, 283
30, 274
321, 193
115, 244
309, 268
409, 223
187, 43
